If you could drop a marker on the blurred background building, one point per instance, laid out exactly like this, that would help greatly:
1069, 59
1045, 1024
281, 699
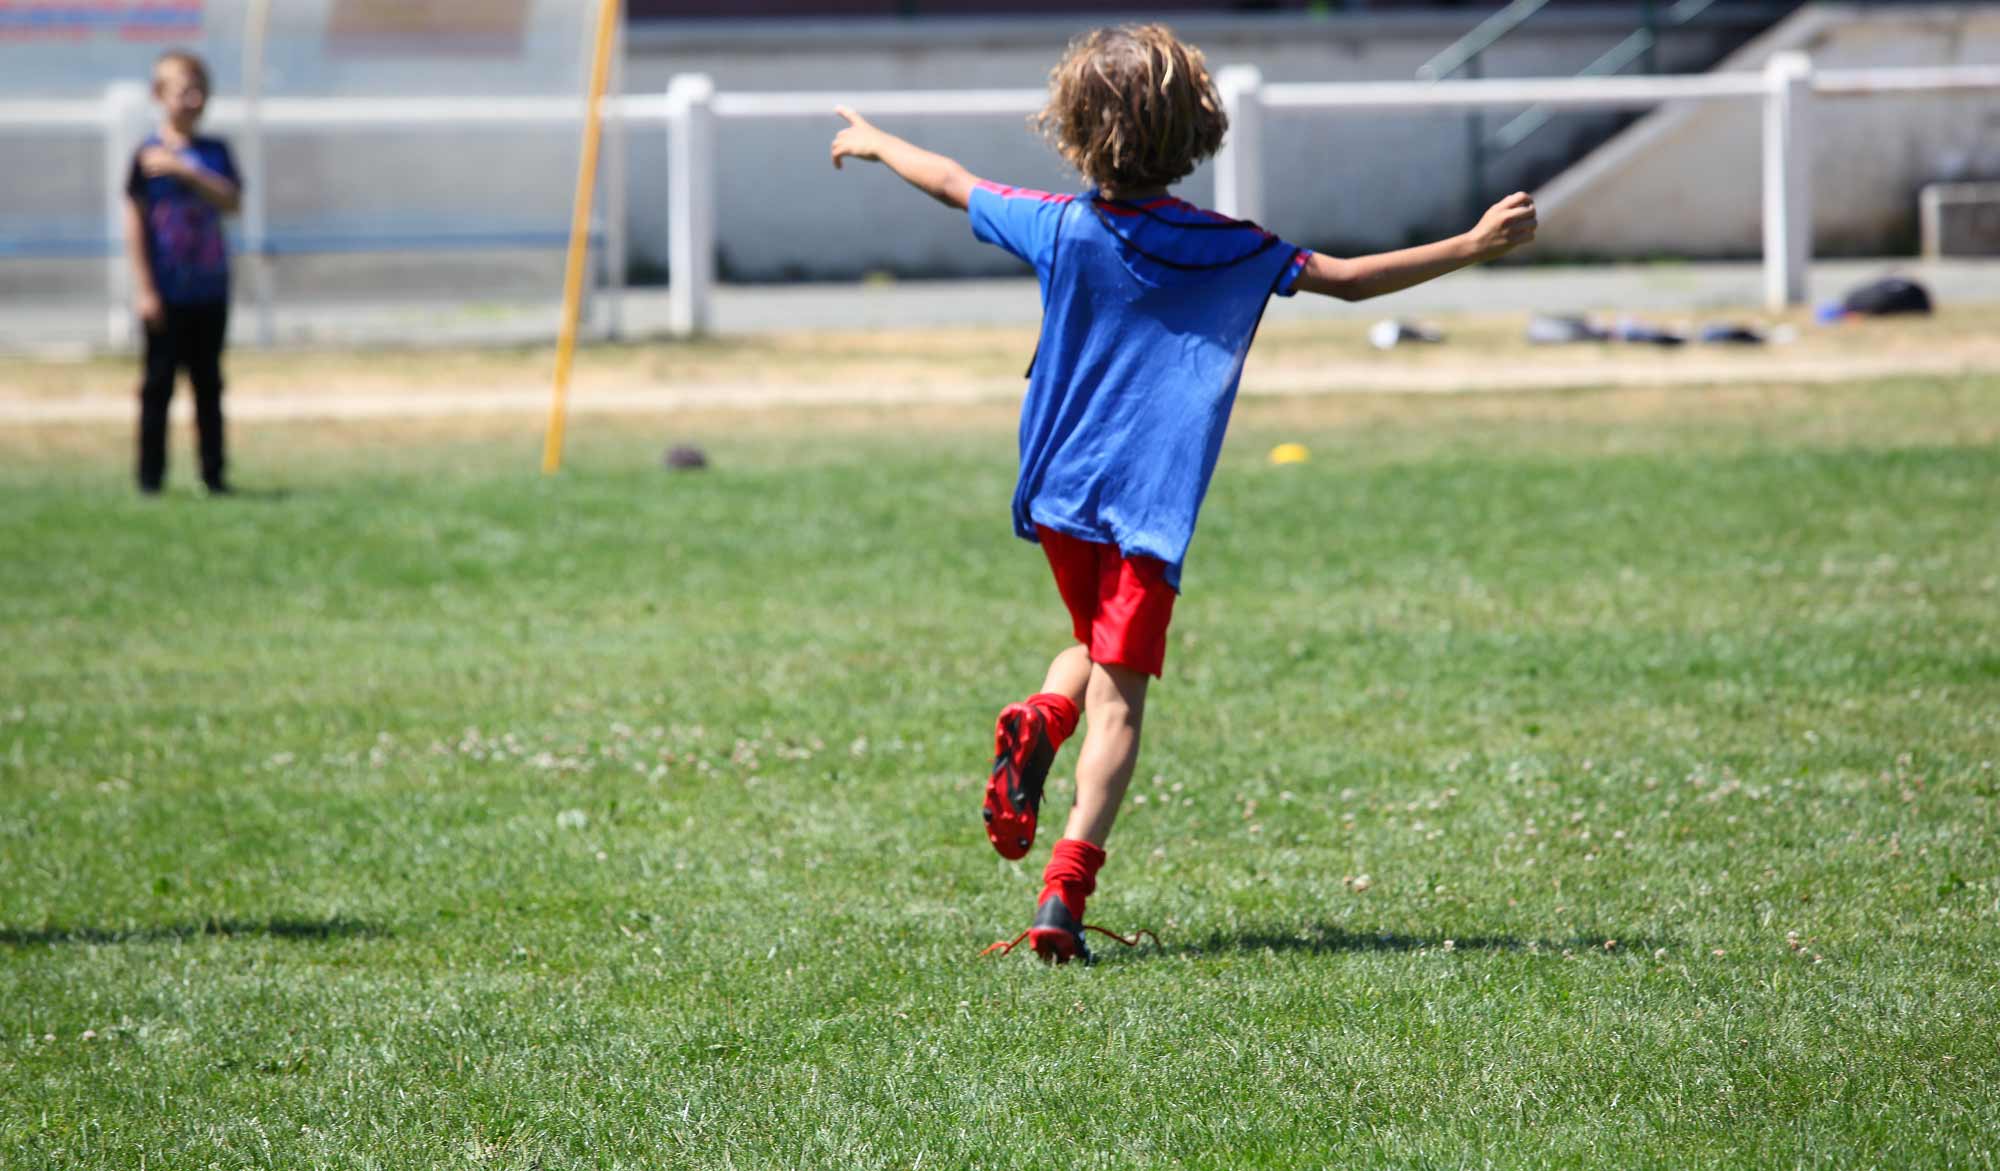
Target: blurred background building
410, 212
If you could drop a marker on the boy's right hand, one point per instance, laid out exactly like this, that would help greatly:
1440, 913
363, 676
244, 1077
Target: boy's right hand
158, 162
1506, 226
147, 304
859, 141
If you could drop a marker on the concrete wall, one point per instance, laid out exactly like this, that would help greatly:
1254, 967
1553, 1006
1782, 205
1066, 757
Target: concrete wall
1687, 181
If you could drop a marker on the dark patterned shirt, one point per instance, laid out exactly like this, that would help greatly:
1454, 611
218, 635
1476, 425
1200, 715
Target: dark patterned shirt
184, 239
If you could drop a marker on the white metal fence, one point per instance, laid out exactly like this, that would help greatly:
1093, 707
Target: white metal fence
691, 109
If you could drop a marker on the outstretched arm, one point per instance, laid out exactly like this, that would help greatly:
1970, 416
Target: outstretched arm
1506, 226
935, 175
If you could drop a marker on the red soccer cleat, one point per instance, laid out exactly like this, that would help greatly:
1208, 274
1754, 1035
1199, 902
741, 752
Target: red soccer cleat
1057, 937
1022, 753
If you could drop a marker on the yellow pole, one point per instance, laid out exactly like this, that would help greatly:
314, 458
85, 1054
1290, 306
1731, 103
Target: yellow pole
579, 233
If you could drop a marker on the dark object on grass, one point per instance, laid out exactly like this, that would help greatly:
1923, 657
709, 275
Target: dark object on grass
1557, 331
1728, 333
1888, 296
1633, 330
686, 459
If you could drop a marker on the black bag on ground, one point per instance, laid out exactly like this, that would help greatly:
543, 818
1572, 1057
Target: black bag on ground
1890, 295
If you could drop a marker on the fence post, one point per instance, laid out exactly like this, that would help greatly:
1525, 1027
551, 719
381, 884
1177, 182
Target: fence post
124, 129
1787, 178
690, 202
1239, 165
257, 234
257, 200
614, 182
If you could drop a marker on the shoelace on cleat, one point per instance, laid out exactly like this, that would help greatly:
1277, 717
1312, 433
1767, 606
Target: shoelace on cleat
1003, 946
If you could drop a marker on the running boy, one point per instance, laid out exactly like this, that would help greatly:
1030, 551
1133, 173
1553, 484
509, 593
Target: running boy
178, 189
1149, 306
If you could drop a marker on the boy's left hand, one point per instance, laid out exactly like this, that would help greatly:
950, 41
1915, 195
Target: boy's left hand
160, 161
1506, 226
861, 140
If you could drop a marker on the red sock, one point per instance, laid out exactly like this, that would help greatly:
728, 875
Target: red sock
1060, 713
1071, 874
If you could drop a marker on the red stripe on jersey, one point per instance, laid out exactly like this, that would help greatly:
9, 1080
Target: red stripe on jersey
1006, 192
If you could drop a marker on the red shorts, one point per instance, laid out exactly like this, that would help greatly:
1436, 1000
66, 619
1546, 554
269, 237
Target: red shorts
1119, 606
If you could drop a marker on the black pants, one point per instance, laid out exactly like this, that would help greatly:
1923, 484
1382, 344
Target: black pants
189, 338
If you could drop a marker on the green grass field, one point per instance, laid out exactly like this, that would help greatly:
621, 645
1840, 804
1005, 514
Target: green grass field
414, 811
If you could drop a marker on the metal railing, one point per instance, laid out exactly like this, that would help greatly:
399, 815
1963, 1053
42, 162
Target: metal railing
1467, 53
1639, 45
1464, 53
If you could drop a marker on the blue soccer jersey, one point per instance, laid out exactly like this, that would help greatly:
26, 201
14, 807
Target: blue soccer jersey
1148, 310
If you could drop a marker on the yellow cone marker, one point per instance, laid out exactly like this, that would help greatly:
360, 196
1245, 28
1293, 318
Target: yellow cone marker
1289, 453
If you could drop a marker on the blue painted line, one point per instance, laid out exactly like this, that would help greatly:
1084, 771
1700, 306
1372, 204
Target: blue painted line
70, 19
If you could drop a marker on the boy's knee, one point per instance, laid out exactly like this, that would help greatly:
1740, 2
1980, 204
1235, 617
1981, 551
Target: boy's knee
1116, 693
1127, 680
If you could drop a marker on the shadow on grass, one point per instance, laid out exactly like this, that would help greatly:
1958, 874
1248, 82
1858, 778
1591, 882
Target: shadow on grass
258, 495
276, 928
1324, 938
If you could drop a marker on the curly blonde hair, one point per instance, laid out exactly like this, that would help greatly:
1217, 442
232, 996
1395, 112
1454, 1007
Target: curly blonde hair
1132, 108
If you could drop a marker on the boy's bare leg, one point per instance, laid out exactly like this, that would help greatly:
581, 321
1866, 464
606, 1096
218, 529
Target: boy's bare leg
1069, 674
1115, 701
1115, 704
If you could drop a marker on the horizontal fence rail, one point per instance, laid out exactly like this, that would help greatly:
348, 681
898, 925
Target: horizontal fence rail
690, 109
1933, 79
885, 104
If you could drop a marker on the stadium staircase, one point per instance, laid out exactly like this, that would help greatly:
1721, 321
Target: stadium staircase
1490, 140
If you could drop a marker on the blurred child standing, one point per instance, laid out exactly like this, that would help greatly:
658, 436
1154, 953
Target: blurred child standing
179, 187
